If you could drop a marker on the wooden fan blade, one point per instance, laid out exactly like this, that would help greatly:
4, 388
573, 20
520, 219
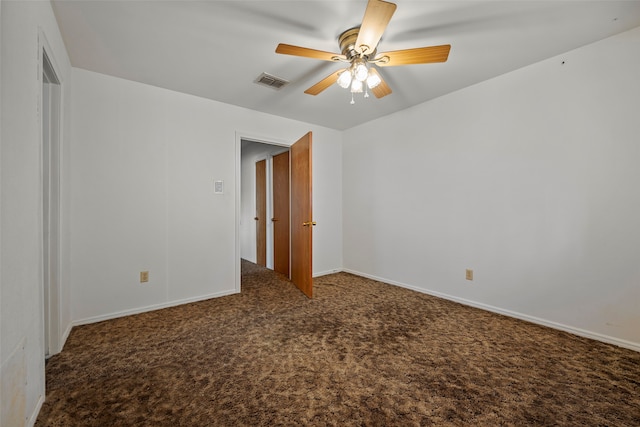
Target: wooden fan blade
287, 49
420, 55
324, 83
382, 89
375, 21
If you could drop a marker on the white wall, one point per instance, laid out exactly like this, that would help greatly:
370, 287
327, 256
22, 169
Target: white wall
530, 179
21, 302
144, 162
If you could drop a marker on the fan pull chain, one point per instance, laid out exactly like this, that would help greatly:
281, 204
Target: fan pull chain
352, 100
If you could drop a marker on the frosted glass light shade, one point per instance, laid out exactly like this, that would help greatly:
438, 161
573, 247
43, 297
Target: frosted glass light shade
373, 80
344, 79
361, 72
356, 86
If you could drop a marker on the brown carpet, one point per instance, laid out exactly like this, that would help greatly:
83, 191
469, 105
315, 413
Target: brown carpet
361, 353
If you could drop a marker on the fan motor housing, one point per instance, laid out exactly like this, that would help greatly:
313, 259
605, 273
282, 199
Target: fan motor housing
347, 41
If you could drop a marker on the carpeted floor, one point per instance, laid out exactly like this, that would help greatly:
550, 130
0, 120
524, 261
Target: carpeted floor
361, 353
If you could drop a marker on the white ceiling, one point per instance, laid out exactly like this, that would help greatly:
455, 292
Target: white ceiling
216, 49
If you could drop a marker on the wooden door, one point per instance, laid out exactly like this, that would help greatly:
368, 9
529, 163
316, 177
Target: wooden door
301, 215
280, 218
261, 213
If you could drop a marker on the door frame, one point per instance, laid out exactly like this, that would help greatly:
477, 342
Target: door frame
248, 136
52, 336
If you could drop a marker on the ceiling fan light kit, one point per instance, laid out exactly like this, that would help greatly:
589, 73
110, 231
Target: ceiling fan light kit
359, 46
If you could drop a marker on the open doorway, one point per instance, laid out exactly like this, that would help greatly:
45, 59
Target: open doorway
263, 159
260, 227
51, 126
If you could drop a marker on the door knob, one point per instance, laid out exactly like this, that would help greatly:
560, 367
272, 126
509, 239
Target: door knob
256, 218
274, 219
306, 224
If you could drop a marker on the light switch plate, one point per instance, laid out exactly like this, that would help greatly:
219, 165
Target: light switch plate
218, 187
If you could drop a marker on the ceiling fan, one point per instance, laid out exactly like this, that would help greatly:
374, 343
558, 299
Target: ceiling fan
359, 49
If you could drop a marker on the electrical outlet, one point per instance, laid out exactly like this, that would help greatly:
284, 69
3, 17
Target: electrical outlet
469, 274
144, 276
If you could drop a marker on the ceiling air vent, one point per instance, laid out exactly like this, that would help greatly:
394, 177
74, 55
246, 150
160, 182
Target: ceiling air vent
266, 79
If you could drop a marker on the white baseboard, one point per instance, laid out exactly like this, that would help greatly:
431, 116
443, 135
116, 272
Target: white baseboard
36, 411
64, 337
566, 328
153, 307
325, 273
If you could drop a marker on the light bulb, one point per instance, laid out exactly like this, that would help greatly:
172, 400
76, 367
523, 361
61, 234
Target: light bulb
344, 79
356, 86
373, 80
360, 71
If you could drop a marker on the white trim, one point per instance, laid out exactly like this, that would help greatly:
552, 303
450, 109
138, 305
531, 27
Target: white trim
53, 345
36, 411
43, 43
153, 307
326, 273
238, 254
241, 135
548, 323
65, 336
